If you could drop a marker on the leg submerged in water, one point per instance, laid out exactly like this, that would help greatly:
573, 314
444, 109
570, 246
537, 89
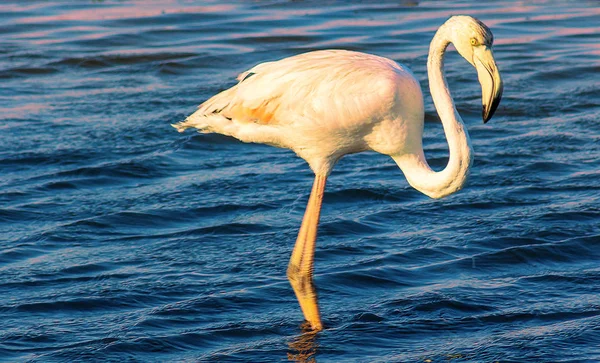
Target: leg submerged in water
300, 268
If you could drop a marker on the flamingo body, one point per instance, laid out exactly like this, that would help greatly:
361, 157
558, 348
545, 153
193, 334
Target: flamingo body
322, 105
326, 104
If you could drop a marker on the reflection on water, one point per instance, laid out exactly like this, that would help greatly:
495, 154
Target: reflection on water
125, 241
303, 348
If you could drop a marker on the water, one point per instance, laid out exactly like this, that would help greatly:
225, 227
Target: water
123, 240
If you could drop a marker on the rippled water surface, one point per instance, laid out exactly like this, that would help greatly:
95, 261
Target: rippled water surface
122, 240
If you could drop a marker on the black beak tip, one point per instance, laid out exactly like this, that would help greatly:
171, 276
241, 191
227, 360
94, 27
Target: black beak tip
485, 117
488, 112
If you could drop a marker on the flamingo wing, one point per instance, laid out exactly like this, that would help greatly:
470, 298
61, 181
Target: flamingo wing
326, 87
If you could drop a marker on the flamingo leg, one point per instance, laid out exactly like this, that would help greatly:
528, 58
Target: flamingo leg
300, 268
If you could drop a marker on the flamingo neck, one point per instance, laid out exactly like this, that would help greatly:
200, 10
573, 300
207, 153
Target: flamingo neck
414, 165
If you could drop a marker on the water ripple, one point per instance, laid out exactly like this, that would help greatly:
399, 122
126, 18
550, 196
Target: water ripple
122, 240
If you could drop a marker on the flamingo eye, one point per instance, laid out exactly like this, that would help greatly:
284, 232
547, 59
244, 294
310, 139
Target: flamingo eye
474, 42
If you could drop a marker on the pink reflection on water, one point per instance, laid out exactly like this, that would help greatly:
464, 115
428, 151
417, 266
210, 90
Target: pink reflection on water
126, 12
551, 33
20, 7
46, 36
18, 112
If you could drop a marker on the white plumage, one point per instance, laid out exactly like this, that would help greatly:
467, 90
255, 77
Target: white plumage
322, 105
326, 104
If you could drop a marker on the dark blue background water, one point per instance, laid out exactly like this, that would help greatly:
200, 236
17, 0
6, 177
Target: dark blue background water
122, 240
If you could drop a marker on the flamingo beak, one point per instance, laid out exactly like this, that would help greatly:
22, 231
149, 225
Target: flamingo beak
490, 80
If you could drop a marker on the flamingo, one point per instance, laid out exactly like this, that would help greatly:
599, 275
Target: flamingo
328, 103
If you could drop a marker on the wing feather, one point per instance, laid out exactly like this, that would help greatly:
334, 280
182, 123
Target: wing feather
330, 87
313, 86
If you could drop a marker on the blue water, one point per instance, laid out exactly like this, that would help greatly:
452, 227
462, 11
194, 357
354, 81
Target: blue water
122, 240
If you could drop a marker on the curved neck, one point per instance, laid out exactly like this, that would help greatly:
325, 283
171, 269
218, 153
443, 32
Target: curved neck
414, 165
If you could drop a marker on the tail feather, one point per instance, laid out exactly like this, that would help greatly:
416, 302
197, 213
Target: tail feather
196, 120
201, 119
181, 126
